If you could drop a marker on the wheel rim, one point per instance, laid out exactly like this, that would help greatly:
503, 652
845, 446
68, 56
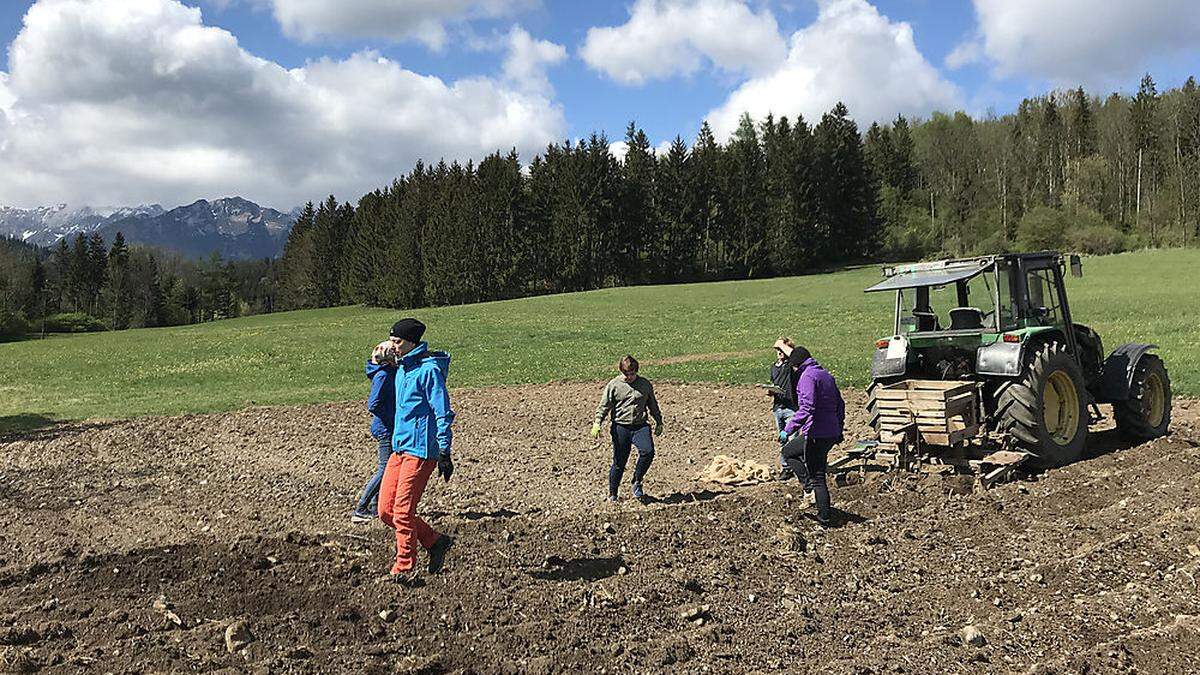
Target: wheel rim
1156, 399
1060, 405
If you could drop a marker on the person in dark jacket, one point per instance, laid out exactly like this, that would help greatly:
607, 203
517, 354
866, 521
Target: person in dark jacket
815, 427
381, 371
783, 406
421, 440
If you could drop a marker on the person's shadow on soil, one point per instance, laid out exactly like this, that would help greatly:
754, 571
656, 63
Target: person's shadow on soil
689, 497
837, 518
499, 514
578, 569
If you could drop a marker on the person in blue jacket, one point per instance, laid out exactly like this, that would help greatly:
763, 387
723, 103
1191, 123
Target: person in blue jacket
421, 440
381, 371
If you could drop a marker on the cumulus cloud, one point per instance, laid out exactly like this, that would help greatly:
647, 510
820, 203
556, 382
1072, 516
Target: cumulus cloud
396, 20
669, 37
528, 58
850, 53
1080, 41
128, 101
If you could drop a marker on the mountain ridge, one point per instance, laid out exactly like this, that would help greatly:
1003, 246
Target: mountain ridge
234, 227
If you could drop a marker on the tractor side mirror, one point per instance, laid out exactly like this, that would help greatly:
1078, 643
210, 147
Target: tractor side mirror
1076, 267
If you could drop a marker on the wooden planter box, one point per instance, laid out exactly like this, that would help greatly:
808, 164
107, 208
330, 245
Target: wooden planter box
944, 412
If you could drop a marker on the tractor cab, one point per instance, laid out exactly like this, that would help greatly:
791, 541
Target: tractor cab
954, 318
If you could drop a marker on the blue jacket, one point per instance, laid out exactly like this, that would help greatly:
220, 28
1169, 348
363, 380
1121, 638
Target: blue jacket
382, 401
423, 414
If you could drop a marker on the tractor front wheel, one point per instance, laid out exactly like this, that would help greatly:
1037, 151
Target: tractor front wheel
1044, 412
1147, 413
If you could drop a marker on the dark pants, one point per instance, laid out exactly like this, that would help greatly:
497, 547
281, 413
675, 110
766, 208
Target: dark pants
623, 438
368, 502
808, 459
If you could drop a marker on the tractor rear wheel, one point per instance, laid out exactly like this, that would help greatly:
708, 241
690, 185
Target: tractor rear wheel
1147, 413
1044, 411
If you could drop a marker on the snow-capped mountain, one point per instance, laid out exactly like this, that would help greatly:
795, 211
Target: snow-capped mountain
232, 226
45, 225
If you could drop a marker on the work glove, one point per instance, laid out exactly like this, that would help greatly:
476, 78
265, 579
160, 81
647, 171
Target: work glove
658, 429
595, 431
783, 437
445, 467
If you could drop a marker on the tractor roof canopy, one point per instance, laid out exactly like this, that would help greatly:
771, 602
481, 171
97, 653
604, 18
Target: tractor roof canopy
939, 273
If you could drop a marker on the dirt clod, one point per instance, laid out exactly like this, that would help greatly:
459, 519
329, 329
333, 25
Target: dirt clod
238, 636
971, 635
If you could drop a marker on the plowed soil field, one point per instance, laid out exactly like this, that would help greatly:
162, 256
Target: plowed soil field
135, 545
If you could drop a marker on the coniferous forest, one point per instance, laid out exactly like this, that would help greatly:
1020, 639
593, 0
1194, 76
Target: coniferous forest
82, 285
1067, 170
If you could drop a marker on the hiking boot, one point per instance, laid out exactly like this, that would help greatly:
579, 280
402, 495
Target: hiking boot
612, 498
786, 474
361, 517
407, 579
637, 491
437, 553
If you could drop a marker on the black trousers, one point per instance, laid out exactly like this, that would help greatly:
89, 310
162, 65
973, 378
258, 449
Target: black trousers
808, 458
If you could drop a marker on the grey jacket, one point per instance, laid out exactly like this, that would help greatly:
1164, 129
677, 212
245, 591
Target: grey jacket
628, 402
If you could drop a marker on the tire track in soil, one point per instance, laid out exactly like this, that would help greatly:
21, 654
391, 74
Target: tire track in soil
242, 516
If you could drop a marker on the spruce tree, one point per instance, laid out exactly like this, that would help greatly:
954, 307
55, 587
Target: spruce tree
779, 210
708, 198
503, 235
297, 277
637, 219
844, 188
119, 293
676, 214
97, 266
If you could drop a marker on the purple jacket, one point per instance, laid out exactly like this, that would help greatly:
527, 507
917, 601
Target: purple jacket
820, 411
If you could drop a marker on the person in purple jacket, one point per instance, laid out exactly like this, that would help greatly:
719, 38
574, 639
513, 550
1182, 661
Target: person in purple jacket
815, 428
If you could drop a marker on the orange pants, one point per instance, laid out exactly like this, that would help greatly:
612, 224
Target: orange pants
403, 484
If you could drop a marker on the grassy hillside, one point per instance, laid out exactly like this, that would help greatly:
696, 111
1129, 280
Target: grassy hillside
697, 332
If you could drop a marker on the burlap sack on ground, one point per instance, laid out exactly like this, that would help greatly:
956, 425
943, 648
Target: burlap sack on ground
728, 470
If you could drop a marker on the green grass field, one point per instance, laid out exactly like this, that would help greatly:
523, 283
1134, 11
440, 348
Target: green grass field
313, 356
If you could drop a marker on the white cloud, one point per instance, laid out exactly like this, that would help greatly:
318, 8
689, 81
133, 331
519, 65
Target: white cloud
964, 54
619, 149
128, 101
1083, 41
850, 53
396, 20
529, 58
669, 37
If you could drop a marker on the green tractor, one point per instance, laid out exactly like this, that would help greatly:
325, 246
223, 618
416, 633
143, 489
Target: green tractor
985, 354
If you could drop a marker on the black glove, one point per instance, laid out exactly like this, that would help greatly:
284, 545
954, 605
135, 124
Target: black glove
445, 467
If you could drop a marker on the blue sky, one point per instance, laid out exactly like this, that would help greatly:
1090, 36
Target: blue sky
515, 73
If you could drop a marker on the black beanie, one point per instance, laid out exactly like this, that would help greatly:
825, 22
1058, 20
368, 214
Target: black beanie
798, 357
408, 329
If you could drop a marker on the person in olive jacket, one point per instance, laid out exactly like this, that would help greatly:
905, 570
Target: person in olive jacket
628, 398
